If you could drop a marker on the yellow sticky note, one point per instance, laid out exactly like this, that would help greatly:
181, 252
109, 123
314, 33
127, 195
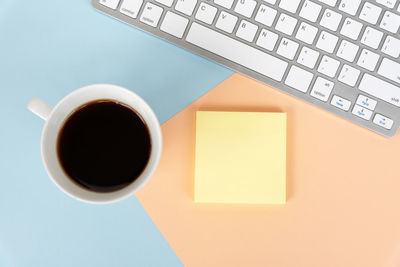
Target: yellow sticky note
240, 157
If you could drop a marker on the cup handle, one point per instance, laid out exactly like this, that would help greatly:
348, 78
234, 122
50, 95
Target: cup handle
40, 108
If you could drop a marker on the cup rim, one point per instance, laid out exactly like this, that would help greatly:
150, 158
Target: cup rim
125, 192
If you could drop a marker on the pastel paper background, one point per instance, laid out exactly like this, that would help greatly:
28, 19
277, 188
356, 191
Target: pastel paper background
48, 49
342, 192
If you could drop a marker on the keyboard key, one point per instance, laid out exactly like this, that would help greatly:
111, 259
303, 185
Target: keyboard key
186, 6
349, 6
366, 102
340, 102
330, 19
110, 3
151, 14
388, 3
226, 22
327, 42
306, 33
390, 69
245, 7
286, 24
266, 15
383, 121
368, 60
362, 112
370, 13
390, 22
167, 3
391, 46
206, 13
174, 24
322, 89
287, 48
299, 79
380, 89
246, 31
347, 50
398, 8
267, 39
328, 66
289, 5
329, 2
349, 75
224, 3
236, 51
351, 28
131, 7
310, 11
308, 57
372, 37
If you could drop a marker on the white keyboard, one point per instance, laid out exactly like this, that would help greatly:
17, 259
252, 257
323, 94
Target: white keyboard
340, 55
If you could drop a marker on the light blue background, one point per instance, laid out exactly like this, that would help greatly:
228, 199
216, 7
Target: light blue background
47, 49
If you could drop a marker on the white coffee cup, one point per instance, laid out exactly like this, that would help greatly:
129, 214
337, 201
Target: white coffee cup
55, 118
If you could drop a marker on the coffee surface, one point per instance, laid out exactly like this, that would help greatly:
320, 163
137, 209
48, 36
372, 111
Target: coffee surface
104, 146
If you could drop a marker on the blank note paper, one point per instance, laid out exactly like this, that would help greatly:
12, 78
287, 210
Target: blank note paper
240, 157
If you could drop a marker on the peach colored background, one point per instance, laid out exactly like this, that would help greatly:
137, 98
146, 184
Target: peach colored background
343, 189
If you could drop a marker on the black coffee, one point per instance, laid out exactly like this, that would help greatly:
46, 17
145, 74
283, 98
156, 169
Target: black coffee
104, 146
